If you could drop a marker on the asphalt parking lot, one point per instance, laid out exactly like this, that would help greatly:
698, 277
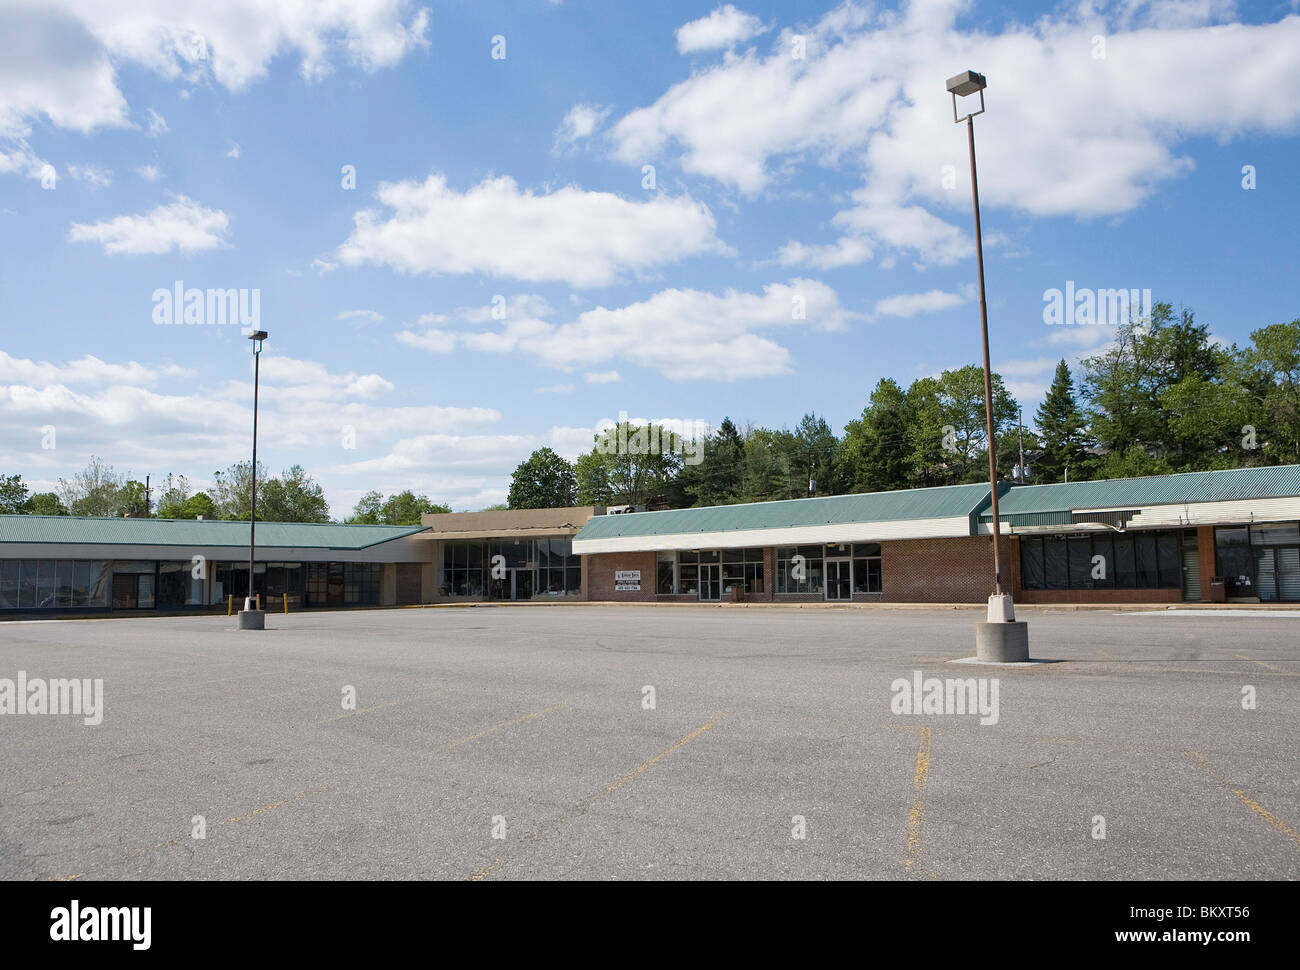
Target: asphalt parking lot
520, 743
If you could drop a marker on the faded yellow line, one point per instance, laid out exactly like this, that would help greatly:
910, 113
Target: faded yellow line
379, 707
1261, 663
1246, 800
301, 796
916, 816
493, 730
483, 873
610, 789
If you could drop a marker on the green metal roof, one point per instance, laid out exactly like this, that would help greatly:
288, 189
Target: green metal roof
1277, 481
952, 501
195, 532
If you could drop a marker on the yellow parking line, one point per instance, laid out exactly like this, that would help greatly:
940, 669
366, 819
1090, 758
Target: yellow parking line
301, 796
1261, 663
483, 873
1246, 800
379, 707
916, 816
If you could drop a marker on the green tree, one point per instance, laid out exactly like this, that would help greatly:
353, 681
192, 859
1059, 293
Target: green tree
629, 465
875, 453
293, 497
1062, 429
1270, 378
717, 478
402, 508
1127, 390
232, 490
543, 480
95, 490
133, 499
765, 470
44, 503
812, 457
13, 494
368, 509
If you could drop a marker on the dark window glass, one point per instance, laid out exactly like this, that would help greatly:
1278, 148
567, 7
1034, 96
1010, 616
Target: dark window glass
573, 579
1125, 563
688, 579
866, 575
866, 549
1148, 564
1031, 563
733, 555
664, 576
1080, 556
1104, 546
1171, 561
1055, 564
9, 570
688, 556
709, 555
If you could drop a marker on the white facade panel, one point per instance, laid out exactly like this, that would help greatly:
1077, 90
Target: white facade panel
947, 528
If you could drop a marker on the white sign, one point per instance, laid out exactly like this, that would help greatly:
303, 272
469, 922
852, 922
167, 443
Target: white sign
627, 575
627, 587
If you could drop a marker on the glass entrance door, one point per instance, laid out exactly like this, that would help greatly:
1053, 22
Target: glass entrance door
839, 585
523, 584
710, 581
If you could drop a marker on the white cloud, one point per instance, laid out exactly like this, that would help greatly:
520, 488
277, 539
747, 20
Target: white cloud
435, 341
84, 370
683, 334
150, 173
19, 159
234, 150
724, 27
94, 175
581, 238
908, 305
183, 225
557, 389
59, 59
868, 98
579, 124
602, 377
369, 316
846, 251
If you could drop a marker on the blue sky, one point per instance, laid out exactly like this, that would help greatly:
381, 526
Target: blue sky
210, 149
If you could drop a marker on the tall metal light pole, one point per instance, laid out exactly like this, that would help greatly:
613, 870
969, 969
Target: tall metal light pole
251, 618
998, 643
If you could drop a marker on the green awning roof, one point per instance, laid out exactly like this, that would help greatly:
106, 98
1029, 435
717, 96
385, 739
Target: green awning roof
195, 532
953, 501
1236, 484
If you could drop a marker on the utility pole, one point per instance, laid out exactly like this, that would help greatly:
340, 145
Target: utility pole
1020, 420
148, 498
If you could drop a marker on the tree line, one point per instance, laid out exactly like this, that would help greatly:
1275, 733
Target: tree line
1163, 397
292, 496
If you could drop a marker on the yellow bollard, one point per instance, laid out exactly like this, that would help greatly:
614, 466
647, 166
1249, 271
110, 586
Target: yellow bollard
286, 601
230, 604
258, 600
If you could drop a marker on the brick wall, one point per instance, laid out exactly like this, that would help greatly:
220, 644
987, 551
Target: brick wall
1205, 556
945, 570
600, 576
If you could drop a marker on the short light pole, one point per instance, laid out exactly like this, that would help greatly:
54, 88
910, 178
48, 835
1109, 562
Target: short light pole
251, 618
1001, 639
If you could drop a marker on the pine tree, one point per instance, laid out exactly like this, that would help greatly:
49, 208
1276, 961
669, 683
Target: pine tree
1061, 428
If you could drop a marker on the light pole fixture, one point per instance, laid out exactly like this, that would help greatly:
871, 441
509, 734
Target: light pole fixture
251, 618
1001, 638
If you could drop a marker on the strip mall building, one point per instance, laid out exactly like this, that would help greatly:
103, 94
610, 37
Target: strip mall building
1231, 535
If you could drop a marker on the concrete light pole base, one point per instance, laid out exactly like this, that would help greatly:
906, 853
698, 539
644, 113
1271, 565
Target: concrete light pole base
252, 619
1001, 642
